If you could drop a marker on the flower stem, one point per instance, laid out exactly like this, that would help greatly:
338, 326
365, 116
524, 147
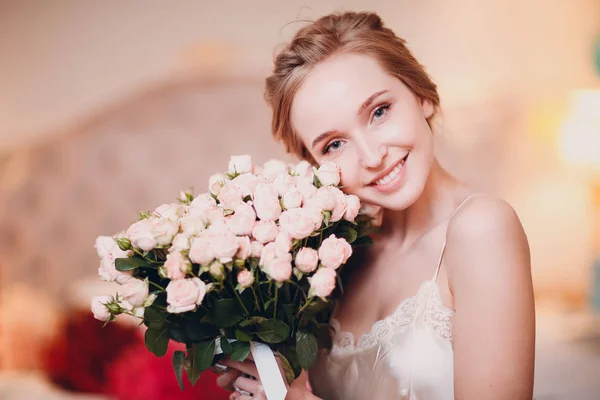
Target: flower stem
275, 304
239, 298
157, 285
304, 306
256, 305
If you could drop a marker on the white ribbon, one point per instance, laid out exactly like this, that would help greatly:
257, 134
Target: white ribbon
268, 370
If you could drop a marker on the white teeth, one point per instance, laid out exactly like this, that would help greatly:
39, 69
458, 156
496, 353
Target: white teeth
391, 175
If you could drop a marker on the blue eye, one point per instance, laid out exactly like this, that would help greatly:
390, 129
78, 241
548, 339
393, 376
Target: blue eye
336, 144
380, 112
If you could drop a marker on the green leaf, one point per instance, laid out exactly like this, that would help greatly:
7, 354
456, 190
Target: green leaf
307, 349
200, 358
240, 351
324, 336
130, 263
154, 317
225, 313
178, 360
287, 368
242, 336
226, 346
177, 333
197, 331
348, 233
252, 321
157, 340
326, 216
362, 241
273, 331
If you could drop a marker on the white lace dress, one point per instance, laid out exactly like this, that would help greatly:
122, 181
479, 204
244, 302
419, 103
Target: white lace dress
408, 355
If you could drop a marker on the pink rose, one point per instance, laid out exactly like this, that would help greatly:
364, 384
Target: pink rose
216, 270
306, 187
99, 308
270, 252
244, 249
164, 230
352, 207
246, 183
224, 246
283, 241
184, 295
240, 164
215, 183
201, 204
323, 199
267, 208
230, 196
307, 260
134, 293
292, 198
297, 223
140, 235
201, 251
280, 269
264, 190
374, 212
272, 168
171, 211
180, 242
265, 231
322, 282
108, 250
315, 215
283, 182
303, 169
218, 227
328, 174
255, 249
177, 265
334, 252
245, 278
243, 219
340, 204
192, 225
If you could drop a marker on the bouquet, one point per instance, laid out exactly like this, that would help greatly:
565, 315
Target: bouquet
250, 265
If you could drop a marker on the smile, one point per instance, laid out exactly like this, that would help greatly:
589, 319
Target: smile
392, 179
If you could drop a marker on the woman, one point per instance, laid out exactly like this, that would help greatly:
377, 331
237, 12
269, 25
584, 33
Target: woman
442, 307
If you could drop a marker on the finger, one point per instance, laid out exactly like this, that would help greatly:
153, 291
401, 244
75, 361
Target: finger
247, 367
250, 385
225, 381
234, 396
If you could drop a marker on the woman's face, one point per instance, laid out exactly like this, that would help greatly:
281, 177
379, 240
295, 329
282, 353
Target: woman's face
351, 112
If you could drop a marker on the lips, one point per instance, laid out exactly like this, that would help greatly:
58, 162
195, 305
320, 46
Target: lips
389, 170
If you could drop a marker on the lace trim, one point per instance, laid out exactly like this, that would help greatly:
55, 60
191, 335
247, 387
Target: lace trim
434, 313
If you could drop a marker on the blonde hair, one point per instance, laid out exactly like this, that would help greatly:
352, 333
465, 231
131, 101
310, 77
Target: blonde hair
349, 32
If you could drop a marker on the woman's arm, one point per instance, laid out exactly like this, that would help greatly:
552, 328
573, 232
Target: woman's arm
488, 264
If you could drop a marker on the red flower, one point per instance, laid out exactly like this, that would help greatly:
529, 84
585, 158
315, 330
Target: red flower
77, 357
140, 375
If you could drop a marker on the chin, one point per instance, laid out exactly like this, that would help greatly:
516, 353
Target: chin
398, 200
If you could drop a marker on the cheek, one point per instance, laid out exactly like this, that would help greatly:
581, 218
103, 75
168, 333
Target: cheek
350, 174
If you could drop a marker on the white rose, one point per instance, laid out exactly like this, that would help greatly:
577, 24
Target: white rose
244, 247
307, 260
283, 182
230, 197
340, 204
177, 266
243, 220
164, 230
184, 295
134, 293
172, 211
264, 190
352, 207
322, 282
297, 223
240, 164
215, 183
265, 231
323, 199
315, 215
201, 251
201, 205
303, 169
99, 308
255, 249
245, 278
272, 168
245, 183
328, 174
140, 235
108, 250
292, 198
224, 246
306, 187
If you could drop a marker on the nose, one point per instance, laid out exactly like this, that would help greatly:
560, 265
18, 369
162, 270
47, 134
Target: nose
371, 152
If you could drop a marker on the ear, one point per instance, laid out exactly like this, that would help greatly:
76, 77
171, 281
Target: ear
428, 108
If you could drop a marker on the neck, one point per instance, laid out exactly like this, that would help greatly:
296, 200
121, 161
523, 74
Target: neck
434, 206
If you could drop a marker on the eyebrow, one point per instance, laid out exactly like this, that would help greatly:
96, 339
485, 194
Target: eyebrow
362, 107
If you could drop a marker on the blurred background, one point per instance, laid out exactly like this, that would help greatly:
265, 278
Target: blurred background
110, 107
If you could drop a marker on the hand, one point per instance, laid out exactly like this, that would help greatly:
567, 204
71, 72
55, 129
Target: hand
232, 379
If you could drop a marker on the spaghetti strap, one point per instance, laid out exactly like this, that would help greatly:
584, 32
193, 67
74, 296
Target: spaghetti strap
437, 270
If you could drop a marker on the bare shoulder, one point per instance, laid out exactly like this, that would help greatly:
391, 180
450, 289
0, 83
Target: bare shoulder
483, 232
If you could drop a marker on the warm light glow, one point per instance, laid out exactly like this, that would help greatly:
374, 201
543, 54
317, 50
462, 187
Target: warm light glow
579, 138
